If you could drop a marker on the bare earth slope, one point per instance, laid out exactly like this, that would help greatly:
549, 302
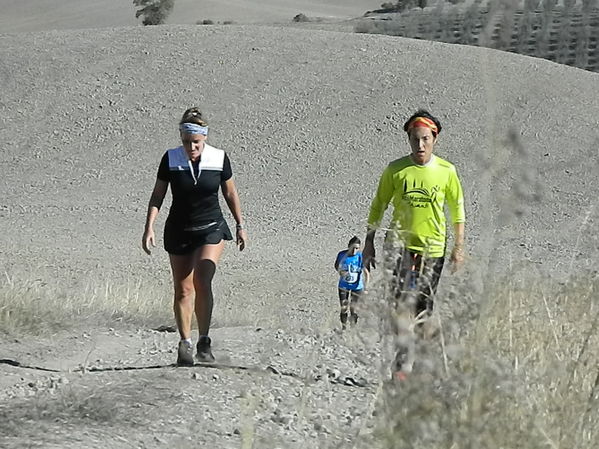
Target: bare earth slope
309, 119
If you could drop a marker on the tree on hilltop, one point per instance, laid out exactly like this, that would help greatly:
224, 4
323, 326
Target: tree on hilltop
153, 12
403, 5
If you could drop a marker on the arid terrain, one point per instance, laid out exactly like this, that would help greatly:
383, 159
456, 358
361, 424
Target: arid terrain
89, 102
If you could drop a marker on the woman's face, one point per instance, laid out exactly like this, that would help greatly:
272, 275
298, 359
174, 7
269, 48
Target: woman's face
422, 142
193, 144
353, 249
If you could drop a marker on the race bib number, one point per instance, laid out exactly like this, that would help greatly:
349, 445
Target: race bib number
351, 278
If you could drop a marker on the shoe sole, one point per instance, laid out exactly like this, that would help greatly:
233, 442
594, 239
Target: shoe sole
180, 363
200, 359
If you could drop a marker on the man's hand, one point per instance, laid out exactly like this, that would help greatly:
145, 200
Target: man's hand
457, 258
368, 255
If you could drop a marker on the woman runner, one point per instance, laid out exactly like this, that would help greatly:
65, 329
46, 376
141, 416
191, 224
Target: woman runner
352, 280
195, 231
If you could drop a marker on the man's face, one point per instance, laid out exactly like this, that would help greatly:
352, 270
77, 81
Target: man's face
422, 142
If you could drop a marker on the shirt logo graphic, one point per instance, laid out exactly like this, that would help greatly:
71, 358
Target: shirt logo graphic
419, 196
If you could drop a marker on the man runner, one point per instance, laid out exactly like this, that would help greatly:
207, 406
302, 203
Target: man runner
419, 185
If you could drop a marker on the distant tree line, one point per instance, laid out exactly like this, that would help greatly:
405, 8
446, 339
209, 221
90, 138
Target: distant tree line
404, 5
529, 5
563, 31
153, 12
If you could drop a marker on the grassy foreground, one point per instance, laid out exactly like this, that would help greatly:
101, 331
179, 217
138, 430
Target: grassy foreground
522, 371
516, 368
32, 307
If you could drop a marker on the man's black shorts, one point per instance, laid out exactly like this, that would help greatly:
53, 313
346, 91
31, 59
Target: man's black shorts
425, 282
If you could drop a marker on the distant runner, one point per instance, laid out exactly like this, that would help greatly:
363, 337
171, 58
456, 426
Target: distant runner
195, 230
352, 280
419, 185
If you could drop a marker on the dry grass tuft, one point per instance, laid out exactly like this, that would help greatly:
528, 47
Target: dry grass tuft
524, 373
33, 307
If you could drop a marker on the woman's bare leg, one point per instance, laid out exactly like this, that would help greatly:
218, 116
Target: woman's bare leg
206, 260
183, 273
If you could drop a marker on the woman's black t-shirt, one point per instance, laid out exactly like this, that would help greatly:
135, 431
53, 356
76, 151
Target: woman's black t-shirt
194, 186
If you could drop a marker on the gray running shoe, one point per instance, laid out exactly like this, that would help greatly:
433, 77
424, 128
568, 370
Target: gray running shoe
185, 354
204, 354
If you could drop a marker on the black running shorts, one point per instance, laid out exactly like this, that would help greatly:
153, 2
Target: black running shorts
425, 282
347, 296
180, 241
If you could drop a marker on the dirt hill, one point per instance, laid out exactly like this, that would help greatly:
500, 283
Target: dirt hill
309, 119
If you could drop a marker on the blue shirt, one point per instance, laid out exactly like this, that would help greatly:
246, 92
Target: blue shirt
354, 266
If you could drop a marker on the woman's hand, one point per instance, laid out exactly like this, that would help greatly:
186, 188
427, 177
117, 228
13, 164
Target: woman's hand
148, 240
242, 238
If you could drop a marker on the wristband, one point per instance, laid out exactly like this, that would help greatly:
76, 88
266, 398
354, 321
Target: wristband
239, 226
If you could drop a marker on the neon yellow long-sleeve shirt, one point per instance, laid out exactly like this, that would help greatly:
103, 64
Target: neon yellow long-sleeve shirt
419, 193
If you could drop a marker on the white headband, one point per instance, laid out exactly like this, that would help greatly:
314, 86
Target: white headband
192, 128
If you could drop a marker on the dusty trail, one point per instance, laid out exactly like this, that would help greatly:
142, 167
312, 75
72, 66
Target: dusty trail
288, 390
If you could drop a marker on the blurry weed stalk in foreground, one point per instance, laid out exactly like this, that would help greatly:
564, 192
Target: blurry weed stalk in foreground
522, 372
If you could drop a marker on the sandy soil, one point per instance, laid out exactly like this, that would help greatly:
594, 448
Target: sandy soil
309, 118
117, 388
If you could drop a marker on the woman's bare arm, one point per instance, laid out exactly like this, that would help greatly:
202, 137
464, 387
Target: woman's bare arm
156, 198
232, 198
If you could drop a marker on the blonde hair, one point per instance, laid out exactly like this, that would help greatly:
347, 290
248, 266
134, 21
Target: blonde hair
193, 115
